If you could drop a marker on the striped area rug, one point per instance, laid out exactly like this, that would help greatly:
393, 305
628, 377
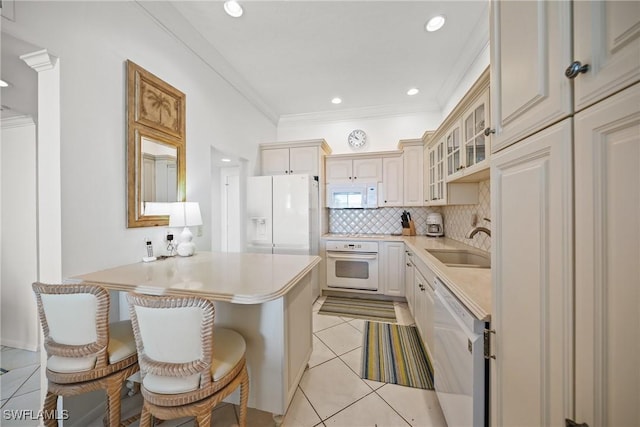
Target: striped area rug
359, 308
395, 354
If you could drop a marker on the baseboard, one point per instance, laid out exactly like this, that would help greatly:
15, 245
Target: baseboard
7, 342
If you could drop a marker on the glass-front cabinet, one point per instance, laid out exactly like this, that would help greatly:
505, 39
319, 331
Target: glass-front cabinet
436, 165
453, 150
473, 163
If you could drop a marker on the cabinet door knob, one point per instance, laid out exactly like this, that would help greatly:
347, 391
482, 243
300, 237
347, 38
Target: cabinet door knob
355, 177
290, 171
286, 172
489, 131
575, 68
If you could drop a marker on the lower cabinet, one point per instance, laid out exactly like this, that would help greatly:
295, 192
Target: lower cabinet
393, 269
425, 302
409, 277
531, 198
420, 315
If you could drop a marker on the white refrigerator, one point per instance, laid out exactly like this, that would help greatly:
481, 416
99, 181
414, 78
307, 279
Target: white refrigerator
282, 214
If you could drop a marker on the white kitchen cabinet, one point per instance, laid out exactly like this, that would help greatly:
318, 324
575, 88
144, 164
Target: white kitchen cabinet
452, 142
412, 173
392, 182
393, 268
530, 49
427, 293
420, 301
579, 363
409, 278
305, 157
342, 170
606, 36
281, 161
437, 186
475, 144
607, 285
532, 269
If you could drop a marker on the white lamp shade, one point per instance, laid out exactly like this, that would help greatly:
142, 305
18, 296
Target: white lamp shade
185, 214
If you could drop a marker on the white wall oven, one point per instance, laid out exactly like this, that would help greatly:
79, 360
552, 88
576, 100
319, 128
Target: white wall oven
352, 265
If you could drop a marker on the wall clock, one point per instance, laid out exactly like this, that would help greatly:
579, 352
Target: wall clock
357, 138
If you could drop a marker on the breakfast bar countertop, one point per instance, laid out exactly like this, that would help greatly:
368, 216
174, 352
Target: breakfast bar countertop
241, 278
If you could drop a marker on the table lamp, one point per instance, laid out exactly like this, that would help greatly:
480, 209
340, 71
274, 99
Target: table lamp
185, 214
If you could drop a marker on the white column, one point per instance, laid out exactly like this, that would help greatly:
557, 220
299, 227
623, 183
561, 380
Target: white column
48, 152
49, 202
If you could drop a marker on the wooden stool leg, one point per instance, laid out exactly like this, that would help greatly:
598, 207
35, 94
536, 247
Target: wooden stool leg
145, 416
244, 397
113, 403
49, 407
204, 419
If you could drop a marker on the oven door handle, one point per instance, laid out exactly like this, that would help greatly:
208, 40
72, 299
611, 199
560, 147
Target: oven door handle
351, 256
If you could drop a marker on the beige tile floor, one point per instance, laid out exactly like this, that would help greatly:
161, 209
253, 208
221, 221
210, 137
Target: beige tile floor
331, 392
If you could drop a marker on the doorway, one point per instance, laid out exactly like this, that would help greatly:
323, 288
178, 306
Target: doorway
228, 205
230, 210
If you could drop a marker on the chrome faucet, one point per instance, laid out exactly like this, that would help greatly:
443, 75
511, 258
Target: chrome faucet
476, 230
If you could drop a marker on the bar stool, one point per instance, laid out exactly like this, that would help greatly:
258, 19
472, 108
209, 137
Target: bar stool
84, 351
187, 365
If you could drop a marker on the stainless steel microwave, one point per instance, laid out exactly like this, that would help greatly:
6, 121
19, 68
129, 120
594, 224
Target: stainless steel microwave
352, 196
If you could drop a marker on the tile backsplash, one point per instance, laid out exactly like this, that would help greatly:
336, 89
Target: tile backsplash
377, 221
457, 219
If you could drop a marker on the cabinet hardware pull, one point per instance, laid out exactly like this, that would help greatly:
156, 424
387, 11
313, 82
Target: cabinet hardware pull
575, 68
489, 131
571, 423
290, 171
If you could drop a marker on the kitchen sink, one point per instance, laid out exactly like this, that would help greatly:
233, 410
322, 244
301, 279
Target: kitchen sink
461, 258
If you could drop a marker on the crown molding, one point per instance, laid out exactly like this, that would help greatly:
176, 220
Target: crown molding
355, 114
169, 19
40, 60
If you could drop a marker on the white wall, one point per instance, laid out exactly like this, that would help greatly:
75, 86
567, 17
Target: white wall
18, 253
92, 41
383, 133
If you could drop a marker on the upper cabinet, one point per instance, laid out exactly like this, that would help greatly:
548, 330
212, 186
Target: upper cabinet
534, 71
305, 157
412, 172
350, 170
528, 57
474, 145
392, 182
606, 37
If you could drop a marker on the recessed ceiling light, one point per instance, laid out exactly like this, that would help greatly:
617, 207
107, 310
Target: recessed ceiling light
233, 8
336, 101
225, 160
435, 23
3, 83
413, 91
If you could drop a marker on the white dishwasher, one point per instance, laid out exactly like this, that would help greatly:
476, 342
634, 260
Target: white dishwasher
460, 368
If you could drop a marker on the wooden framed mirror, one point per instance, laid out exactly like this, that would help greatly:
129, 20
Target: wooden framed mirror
156, 148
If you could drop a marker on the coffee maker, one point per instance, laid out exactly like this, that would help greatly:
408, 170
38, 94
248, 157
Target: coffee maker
435, 227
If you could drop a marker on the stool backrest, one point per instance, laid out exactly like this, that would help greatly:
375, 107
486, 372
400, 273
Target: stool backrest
174, 335
74, 319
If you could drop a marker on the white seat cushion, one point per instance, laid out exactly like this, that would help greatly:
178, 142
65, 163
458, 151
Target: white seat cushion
229, 347
122, 344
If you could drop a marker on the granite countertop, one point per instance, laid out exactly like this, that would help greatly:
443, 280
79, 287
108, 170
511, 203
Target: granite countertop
241, 278
472, 286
